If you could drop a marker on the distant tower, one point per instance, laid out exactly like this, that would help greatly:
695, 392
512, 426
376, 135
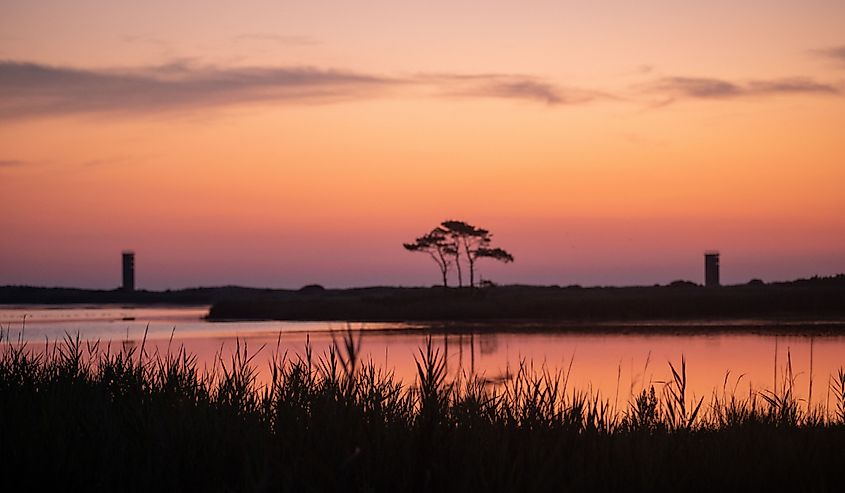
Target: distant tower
128, 270
711, 269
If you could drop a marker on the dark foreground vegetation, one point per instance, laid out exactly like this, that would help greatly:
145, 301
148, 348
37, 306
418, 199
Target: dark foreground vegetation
810, 299
83, 416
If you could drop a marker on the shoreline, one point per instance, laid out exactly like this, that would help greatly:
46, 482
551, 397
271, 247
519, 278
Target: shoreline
812, 306
800, 327
633, 306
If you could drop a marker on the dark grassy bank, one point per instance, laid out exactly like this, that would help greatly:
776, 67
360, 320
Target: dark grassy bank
811, 299
86, 417
806, 299
192, 296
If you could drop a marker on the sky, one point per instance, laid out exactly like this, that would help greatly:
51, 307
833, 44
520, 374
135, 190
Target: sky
277, 144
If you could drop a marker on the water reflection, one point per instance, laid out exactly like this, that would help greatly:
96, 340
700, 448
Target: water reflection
617, 366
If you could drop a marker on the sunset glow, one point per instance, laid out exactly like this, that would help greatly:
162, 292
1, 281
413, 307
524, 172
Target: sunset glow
266, 144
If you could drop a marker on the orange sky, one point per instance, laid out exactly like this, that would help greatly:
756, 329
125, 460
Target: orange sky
274, 145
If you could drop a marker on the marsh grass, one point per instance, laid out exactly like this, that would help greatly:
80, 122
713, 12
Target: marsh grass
83, 415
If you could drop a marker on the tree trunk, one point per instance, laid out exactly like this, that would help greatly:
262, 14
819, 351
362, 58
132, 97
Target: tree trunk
471, 272
460, 273
471, 262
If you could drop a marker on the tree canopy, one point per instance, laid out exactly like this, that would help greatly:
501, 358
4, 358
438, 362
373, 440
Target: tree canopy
437, 245
453, 243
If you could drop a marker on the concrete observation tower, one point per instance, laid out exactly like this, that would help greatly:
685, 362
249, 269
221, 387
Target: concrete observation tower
128, 270
711, 269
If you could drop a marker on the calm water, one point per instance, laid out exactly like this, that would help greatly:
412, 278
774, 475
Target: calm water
616, 365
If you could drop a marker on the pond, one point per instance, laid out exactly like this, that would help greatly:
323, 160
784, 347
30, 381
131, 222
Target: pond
614, 365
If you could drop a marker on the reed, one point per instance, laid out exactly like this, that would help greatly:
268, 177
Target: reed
87, 415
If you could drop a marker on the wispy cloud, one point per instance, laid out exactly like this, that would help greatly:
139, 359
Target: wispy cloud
799, 85
695, 87
835, 53
64, 162
508, 86
711, 88
30, 89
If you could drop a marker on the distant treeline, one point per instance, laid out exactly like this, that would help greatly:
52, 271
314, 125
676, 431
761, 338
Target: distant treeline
812, 298
190, 296
815, 298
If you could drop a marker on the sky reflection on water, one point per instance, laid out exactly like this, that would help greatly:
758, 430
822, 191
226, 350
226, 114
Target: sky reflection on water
615, 365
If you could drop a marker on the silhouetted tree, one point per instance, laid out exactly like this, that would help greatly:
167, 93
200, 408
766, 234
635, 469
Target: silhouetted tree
475, 243
466, 238
438, 246
495, 253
